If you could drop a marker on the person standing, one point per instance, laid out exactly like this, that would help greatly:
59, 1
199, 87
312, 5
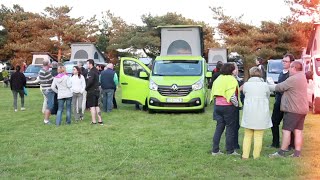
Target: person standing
259, 63
226, 92
215, 73
84, 72
93, 92
295, 106
62, 86
277, 114
17, 82
256, 116
109, 82
45, 79
78, 87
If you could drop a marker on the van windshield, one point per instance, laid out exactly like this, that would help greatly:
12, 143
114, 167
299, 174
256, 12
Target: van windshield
33, 69
275, 67
177, 68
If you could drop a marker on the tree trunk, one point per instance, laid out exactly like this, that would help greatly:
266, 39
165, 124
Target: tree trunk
59, 55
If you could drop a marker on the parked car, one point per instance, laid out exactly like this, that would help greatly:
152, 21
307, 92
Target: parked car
70, 64
274, 68
31, 74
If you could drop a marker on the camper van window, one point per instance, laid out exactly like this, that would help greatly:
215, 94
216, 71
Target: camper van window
38, 61
179, 47
96, 55
177, 68
132, 68
275, 67
317, 66
81, 54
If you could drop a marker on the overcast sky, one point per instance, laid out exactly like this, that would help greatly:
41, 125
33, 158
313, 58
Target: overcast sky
131, 10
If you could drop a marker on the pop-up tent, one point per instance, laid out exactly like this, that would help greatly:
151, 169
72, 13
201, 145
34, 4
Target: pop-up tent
181, 40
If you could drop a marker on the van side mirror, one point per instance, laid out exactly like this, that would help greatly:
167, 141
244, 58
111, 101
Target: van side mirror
309, 75
143, 74
208, 74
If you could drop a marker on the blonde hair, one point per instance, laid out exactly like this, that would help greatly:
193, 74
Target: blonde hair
255, 72
61, 69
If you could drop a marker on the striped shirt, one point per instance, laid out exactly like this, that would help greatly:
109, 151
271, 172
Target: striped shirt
45, 79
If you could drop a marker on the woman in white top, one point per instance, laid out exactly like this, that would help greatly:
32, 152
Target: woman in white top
256, 115
62, 86
78, 87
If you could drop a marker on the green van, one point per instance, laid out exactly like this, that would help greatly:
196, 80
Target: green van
177, 79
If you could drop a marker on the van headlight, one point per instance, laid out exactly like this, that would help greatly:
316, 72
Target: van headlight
198, 85
153, 86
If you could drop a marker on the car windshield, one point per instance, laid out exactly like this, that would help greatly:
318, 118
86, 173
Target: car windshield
177, 68
33, 69
69, 67
275, 67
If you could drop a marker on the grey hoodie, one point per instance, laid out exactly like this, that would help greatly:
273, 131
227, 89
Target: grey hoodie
62, 86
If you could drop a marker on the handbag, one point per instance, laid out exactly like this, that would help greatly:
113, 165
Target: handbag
25, 91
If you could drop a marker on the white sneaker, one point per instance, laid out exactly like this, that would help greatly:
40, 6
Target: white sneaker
22, 109
234, 153
15, 110
217, 153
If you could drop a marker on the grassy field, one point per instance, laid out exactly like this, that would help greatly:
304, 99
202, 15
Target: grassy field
131, 145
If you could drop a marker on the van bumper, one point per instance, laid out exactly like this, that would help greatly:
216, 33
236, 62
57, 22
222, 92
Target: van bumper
194, 101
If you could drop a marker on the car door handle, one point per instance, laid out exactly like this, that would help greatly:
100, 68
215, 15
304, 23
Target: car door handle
124, 83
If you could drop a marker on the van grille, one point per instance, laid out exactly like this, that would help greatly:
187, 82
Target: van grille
168, 91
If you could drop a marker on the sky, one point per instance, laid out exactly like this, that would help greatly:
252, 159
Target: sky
254, 11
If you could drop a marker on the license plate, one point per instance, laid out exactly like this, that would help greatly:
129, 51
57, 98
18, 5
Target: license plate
174, 100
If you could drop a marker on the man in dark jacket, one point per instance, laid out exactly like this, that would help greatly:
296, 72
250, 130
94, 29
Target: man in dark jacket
93, 92
215, 73
17, 82
109, 82
277, 114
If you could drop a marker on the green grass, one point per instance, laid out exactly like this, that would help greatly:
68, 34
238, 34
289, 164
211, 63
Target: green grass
131, 145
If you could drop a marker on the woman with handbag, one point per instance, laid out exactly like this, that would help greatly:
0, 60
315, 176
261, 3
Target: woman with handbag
17, 84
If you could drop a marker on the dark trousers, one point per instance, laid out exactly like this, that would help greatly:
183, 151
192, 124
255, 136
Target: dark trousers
236, 130
277, 117
15, 98
115, 106
226, 119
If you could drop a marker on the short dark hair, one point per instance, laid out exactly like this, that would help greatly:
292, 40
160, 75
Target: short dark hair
291, 57
227, 69
91, 61
18, 68
219, 65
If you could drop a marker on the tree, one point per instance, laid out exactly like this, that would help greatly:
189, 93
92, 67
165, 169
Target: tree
25, 33
309, 9
65, 30
269, 41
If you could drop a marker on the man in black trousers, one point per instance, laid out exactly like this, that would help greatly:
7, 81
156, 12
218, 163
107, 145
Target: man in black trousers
277, 114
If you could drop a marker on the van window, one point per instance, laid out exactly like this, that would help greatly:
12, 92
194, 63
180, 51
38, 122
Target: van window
38, 60
179, 47
275, 67
132, 68
81, 54
177, 68
96, 55
317, 66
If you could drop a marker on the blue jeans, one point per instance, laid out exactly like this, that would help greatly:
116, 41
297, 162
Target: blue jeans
60, 110
107, 99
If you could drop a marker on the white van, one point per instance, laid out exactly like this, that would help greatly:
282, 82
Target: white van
311, 60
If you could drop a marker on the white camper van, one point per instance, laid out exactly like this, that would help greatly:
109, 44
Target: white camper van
311, 59
215, 55
39, 57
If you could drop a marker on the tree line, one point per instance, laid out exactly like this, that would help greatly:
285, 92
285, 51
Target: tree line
54, 30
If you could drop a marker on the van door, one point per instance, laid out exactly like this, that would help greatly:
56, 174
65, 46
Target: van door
134, 88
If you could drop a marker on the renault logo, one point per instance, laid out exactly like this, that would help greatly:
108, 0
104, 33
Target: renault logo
174, 87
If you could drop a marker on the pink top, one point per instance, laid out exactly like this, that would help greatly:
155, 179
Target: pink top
221, 101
